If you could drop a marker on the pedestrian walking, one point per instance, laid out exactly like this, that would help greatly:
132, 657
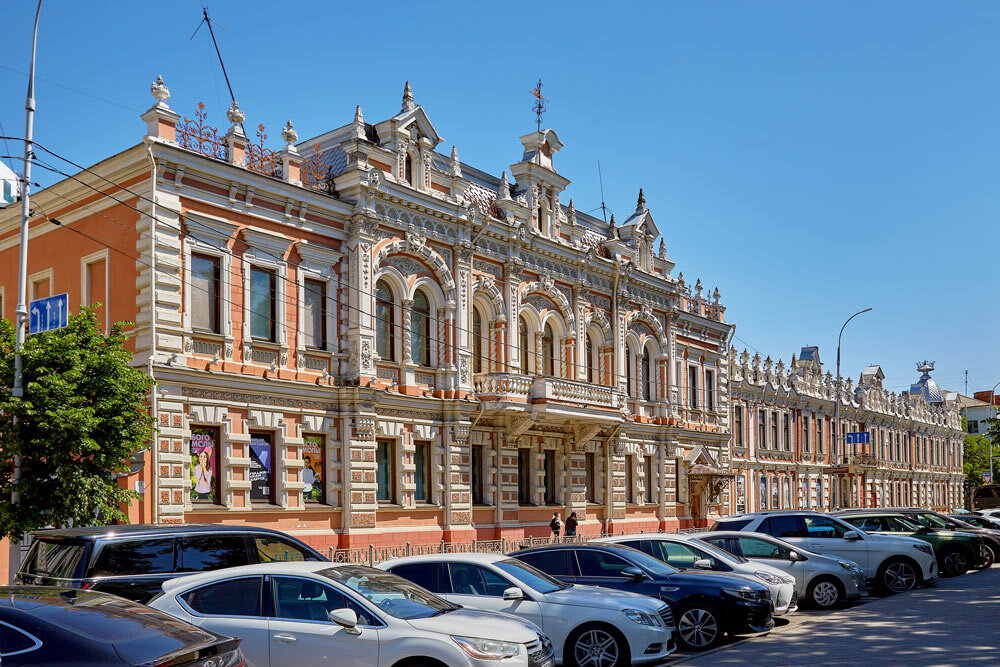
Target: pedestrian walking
571, 524
555, 525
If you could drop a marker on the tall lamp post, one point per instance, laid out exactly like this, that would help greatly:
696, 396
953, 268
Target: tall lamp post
992, 394
836, 405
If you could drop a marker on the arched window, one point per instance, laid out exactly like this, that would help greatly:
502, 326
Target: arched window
477, 341
647, 378
628, 370
420, 330
408, 169
548, 351
522, 344
593, 360
384, 322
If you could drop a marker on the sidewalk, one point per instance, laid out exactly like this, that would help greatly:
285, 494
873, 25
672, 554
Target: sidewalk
953, 623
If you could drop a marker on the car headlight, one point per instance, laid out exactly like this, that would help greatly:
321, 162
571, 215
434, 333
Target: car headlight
742, 593
768, 577
926, 548
487, 649
850, 567
639, 617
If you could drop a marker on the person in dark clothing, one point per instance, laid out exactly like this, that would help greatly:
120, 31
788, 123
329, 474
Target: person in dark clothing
571, 524
555, 525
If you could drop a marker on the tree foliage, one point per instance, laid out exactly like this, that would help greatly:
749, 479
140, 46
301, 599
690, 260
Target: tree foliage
83, 413
977, 453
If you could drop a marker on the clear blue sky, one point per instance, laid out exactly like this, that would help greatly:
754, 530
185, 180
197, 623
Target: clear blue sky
809, 158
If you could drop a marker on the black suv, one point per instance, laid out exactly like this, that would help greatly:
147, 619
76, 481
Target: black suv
705, 605
133, 561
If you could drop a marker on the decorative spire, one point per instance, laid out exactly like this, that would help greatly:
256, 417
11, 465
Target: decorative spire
640, 205
663, 249
571, 214
408, 104
159, 91
456, 166
612, 229
359, 123
716, 295
288, 134
680, 279
504, 186
698, 288
235, 114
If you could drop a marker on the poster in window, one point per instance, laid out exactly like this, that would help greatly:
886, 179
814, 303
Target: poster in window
741, 495
312, 473
260, 466
204, 467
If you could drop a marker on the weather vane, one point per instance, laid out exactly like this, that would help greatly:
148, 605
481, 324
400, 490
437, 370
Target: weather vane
539, 107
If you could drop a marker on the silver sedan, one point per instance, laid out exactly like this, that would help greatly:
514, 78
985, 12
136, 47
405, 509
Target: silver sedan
827, 581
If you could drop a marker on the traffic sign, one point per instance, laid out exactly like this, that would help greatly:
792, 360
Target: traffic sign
858, 438
48, 314
988, 477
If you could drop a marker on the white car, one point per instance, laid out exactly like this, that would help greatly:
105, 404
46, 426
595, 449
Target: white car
894, 562
587, 625
309, 613
824, 581
687, 551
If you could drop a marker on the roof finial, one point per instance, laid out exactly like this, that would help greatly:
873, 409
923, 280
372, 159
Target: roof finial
358, 116
456, 166
408, 104
359, 123
663, 249
641, 204
504, 186
539, 107
612, 229
159, 91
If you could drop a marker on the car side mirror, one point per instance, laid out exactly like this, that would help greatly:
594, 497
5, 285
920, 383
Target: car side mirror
346, 618
852, 535
513, 593
794, 556
703, 564
634, 573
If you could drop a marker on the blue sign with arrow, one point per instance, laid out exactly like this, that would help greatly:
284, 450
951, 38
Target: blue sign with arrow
858, 438
48, 314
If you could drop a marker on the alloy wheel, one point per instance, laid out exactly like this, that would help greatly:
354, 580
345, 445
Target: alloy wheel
596, 647
899, 577
955, 563
698, 627
825, 594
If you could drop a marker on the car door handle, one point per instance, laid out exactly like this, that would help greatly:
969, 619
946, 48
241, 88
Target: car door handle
284, 639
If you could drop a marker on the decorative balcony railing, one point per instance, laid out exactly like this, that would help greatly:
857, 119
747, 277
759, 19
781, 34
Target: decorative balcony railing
573, 391
502, 383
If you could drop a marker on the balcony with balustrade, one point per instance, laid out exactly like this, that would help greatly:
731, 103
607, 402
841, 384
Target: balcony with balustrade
555, 393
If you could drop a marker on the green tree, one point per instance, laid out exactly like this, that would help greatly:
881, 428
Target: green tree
84, 412
977, 452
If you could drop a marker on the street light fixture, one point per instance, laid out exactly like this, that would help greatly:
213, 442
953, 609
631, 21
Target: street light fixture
836, 405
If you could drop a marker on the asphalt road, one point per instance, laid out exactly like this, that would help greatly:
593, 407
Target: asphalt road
951, 623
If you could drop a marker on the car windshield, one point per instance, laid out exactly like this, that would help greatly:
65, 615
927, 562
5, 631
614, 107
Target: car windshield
719, 553
531, 576
390, 593
653, 565
931, 519
902, 524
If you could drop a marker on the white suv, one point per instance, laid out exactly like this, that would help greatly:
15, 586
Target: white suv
894, 563
588, 625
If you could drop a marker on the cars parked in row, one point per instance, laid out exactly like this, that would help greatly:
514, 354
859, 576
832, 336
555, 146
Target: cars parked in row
705, 605
309, 613
956, 551
937, 521
894, 563
59, 626
587, 625
825, 581
978, 520
687, 552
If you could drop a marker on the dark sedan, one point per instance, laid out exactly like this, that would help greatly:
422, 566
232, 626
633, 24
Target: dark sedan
42, 625
705, 605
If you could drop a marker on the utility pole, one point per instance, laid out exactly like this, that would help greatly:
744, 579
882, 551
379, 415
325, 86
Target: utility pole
836, 405
21, 314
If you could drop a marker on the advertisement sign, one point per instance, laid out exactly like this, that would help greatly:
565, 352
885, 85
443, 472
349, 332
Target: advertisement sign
741, 494
312, 473
260, 466
204, 466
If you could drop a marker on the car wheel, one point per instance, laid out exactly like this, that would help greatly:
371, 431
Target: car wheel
953, 562
699, 626
897, 576
596, 646
824, 592
988, 558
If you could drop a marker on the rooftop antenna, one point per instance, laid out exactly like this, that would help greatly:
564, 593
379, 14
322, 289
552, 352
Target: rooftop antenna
207, 20
604, 209
539, 107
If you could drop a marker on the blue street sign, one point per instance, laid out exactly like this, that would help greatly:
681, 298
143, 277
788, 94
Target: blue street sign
48, 314
858, 438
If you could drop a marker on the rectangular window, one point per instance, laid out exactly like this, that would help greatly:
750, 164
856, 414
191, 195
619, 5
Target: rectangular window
477, 475
550, 477
786, 432
205, 452
422, 472
314, 314
805, 434
262, 302
205, 293
738, 425
524, 477
761, 430
693, 386
96, 287
774, 430
41, 288
313, 473
261, 467
819, 434
710, 390
590, 473
629, 486
384, 476
973, 426
648, 481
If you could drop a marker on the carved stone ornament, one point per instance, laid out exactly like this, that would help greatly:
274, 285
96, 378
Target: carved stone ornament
647, 310
159, 91
547, 282
284, 358
464, 365
188, 344
362, 225
247, 352
229, 350
415, 240
300, 360
464, 255
352, 357
235, 114
288, 133
366, 355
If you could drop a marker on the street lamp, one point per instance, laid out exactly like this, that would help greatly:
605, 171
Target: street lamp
992, 479
836, 405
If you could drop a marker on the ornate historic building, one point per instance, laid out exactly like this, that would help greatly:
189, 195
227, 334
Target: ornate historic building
359, 339
785, 456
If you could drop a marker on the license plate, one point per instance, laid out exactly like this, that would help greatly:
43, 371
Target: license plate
548, 663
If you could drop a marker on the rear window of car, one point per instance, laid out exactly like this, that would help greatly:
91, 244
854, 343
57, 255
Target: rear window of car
131, 557
731, 524
202, 553
55, 558
427, 575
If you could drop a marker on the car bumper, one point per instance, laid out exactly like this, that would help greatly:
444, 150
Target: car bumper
785, 599
930, 571
650, 644
750, 617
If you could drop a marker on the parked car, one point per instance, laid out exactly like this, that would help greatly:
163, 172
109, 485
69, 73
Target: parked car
308, 613
63, 627
937, 521
705, 605
995, 511
133, 561
587, 625
979, 520
895, 564
686, 552
825, 581
955, 551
